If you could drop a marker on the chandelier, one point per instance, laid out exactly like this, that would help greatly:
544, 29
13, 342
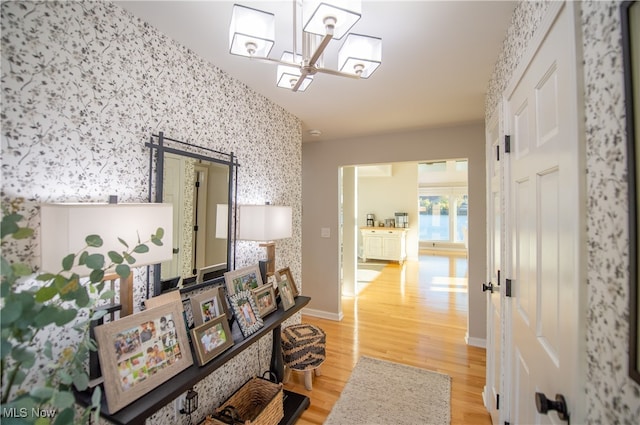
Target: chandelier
252, 34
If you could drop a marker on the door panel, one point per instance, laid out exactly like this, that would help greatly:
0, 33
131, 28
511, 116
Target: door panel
545, 222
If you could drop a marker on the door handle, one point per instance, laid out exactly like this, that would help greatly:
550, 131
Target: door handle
543, 405
487, 287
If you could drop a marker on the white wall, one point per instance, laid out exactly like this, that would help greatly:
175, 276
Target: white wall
320, 168
386, 195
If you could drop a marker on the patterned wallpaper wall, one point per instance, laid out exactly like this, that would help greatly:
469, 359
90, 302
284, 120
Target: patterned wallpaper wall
84, 85
612, 397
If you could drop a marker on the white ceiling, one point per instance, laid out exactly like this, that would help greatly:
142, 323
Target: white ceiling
437, 58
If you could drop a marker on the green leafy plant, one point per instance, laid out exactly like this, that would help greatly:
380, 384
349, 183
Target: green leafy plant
50, 305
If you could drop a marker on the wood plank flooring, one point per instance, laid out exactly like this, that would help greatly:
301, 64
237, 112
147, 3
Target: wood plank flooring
416, 314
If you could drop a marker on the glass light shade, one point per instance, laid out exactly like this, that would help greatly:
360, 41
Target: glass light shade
264, 222
360, 52
287, 76
64, 228
251, 27
346, 14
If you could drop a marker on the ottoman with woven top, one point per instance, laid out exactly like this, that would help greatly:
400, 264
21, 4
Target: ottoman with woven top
303, 349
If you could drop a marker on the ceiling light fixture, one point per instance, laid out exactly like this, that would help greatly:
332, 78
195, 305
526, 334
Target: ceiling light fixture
252, 34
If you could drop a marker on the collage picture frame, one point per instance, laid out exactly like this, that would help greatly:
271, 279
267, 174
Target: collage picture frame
141, 351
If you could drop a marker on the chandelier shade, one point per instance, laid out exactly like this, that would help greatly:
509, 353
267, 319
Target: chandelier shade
252, 32
316, 24
360, 55
288, 76
340, 15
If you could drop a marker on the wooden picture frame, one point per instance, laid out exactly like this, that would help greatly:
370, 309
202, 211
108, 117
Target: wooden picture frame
265, 298
286, 294
246, 312
166, 298
244, 279
630, 23
211, 338
208, 305
141, 351
286, 273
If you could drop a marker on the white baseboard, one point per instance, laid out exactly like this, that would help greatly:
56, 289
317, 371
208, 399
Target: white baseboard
323, 314
476, 342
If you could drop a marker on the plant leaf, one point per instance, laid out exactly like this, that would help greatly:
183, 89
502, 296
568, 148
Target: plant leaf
129, 258
10, 313
95, 261
45, 294
9, 224
115, 257
141, 249
96, 275
41, 393
67, 262
21, 269
81, 381
65, 416
123, 242
82, 260
94, 241
23, 233
123, 270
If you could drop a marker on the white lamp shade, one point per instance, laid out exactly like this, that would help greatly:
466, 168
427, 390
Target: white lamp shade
251, 27
265, 222
288, 76
64, 228
222, 221
360, 52
345, 13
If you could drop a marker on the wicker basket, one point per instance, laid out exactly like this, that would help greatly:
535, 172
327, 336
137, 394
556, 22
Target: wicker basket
258, 402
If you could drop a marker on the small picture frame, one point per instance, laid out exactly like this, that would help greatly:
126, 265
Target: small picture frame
208, 305
166, 298
141, 351
286, 294
211, 338
246, 312
286, 273
209, 272
265, 298
244, 279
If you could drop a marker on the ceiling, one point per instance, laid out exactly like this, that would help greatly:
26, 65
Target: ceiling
437, 58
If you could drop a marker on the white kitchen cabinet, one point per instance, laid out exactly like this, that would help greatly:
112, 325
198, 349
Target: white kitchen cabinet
384, 243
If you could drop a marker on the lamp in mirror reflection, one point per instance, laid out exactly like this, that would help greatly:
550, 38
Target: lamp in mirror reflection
64, 228
265, 223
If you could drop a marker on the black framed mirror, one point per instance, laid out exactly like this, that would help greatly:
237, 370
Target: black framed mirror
630, 20
200, 183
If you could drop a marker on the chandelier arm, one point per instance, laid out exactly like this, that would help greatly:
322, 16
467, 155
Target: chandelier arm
301, 78
323, 45
338, 73
274, 61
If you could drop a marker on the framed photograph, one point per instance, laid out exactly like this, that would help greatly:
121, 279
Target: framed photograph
265, 298
211, 338
208, 305
210, 272
169, 297
286, 294
244, 279
141, 351
246, 312
286, 273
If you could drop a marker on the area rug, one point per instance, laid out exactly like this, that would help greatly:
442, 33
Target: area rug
379, 392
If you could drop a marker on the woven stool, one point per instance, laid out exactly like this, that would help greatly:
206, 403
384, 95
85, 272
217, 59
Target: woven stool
303, 348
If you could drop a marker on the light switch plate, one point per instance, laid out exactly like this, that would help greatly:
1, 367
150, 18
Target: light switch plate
325, 232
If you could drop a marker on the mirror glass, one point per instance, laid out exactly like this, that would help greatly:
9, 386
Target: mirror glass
198, 183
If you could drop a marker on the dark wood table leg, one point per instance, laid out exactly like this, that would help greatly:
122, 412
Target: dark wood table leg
277, 363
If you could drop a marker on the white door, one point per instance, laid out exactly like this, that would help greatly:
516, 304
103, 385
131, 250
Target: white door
495, 155
546, 193
173, 194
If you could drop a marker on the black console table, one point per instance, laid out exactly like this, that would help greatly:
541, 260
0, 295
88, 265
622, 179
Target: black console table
139, 410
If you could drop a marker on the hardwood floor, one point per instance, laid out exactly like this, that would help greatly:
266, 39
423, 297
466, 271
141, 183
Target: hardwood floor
413, 314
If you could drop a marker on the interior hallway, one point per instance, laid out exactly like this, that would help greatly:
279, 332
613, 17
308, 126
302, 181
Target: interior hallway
414, 314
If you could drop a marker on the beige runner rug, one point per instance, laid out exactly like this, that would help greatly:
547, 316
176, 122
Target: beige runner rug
379, 392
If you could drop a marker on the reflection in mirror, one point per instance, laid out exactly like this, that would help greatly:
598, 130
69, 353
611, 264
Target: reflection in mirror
198, 182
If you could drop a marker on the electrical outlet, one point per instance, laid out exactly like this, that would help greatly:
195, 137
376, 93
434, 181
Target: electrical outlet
179, 404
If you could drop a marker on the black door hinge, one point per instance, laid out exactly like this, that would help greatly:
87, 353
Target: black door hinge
498, 152
497, 401
197, 184
498, 277
507, 144
507, 292
507, 423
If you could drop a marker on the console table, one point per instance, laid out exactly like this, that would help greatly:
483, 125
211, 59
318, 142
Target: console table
139, 410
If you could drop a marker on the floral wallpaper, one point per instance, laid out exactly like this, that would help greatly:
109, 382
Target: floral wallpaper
611, 396
84, 85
